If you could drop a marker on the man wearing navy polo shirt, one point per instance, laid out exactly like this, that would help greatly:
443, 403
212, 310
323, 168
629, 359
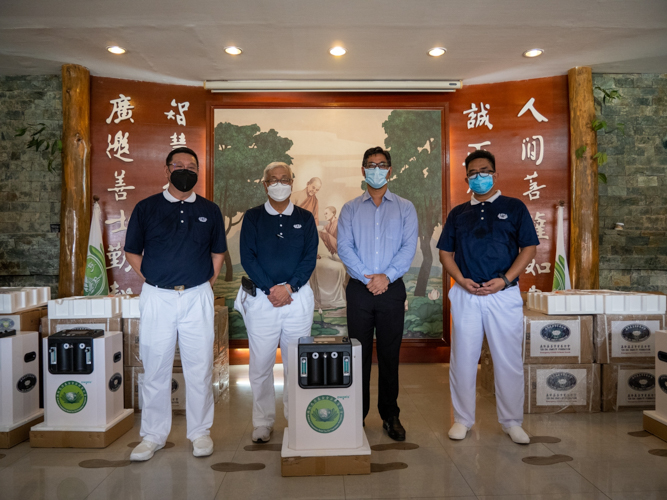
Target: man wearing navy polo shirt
485, 246
377, 240
278, 252
176, 241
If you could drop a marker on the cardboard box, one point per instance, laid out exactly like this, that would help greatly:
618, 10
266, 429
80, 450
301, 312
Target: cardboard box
134, 376
325, 466
552, 340
628, 386
562, 388
113, 324
28, 320
627, 338
44, 437
661, 373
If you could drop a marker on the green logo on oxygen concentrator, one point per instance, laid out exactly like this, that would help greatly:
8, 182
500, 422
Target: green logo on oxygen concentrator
324, 414
71, 397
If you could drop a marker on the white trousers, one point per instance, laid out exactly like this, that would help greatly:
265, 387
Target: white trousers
168, 315
268, 327
500, 316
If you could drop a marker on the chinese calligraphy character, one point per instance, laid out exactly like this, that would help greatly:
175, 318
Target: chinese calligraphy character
478, 117
477, 147
529, 107
533, 192
120, 186
533, 150
114, 254
543, 268
122, 108
182, 107
115, 290
177, 141
540, 222
121, 220
119, 145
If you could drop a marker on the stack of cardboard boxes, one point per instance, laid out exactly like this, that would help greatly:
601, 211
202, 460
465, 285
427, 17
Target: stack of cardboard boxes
134, 371
587, 350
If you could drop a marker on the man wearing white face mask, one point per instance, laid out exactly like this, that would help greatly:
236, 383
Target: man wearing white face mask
377, 240
485, 246
278, 252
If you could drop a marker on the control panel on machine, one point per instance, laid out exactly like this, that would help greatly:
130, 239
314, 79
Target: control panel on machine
325, 361
71, 351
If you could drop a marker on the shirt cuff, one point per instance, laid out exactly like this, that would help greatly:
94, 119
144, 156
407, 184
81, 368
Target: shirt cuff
294, 283
391, 274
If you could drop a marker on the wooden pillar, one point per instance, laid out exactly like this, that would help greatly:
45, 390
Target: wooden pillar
75, 203
584, 222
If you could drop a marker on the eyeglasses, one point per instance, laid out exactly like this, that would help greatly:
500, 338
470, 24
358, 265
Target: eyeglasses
179, 166
275, 182
483, 175
383, 165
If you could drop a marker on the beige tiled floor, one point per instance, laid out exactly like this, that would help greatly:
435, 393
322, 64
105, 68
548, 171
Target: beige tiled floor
486, 465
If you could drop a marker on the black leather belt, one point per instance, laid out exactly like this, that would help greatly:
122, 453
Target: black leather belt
178, 288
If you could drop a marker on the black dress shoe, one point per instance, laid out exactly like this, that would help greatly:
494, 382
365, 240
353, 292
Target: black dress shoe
394, 428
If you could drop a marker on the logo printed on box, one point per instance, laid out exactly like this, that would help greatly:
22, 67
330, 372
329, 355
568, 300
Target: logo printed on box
662, 383
556, 332
115, 381
26, 383
71, 397
325, 414
561, 381
641, 381
635, 333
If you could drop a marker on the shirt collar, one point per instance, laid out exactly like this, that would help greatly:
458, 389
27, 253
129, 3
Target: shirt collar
273, 211
474, 201
172, 199
388, 195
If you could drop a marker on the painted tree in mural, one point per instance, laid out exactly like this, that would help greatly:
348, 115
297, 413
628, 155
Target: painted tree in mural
414, 141
241, 154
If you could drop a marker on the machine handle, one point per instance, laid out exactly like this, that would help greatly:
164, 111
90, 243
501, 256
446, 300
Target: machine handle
117, 357
31, 356
662, 356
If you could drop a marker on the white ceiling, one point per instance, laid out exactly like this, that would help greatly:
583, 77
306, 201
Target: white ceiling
174, 41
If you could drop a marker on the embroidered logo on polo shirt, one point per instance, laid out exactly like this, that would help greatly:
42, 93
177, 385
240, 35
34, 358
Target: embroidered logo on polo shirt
502, 216
297, 226
203, 219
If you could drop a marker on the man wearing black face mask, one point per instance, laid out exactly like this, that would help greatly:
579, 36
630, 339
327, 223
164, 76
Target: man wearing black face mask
176, 241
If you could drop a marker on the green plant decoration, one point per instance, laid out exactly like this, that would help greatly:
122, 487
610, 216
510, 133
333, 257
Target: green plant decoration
53, 147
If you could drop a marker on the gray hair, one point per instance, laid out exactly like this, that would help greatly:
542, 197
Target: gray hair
276, 164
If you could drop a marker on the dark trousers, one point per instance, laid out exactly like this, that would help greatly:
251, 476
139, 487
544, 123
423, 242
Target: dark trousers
383, 315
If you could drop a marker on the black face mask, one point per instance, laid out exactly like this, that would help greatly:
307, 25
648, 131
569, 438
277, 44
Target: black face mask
183, 180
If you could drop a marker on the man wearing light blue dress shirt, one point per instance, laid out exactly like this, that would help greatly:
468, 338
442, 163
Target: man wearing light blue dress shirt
377, 240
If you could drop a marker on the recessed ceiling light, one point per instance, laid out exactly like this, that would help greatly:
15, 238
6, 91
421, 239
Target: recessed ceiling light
533, 53
337, 51
115, 49
233, 50
437, 51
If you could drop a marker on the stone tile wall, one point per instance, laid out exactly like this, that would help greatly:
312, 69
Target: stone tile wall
636, 191
29, 193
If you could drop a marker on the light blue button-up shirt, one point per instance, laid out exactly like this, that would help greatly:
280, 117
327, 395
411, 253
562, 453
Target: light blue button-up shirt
377, 240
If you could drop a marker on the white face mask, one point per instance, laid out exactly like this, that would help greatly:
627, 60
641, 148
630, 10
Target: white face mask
279, 192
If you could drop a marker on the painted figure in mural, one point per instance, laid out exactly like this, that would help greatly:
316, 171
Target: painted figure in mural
485, 245
176, 241
307, 198
278, 252
377, 240
330, 274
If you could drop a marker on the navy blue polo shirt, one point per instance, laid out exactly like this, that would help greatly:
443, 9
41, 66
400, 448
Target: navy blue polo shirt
278, 248
486, 236
177, 239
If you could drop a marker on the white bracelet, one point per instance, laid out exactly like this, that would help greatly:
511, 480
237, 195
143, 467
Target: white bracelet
290, 293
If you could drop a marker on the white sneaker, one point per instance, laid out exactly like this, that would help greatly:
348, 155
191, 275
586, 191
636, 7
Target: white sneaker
261, 434
145, 451
517, 434
458, 432
202, 446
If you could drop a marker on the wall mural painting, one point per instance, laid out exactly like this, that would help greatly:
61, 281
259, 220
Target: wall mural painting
324, 148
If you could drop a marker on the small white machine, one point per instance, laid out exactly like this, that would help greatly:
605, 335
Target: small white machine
83, 379
661, 373
325, 399
19, 379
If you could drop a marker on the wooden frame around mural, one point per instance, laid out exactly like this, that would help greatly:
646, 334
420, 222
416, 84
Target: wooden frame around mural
412, 350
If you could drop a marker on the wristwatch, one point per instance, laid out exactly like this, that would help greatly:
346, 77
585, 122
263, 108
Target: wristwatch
507, 282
